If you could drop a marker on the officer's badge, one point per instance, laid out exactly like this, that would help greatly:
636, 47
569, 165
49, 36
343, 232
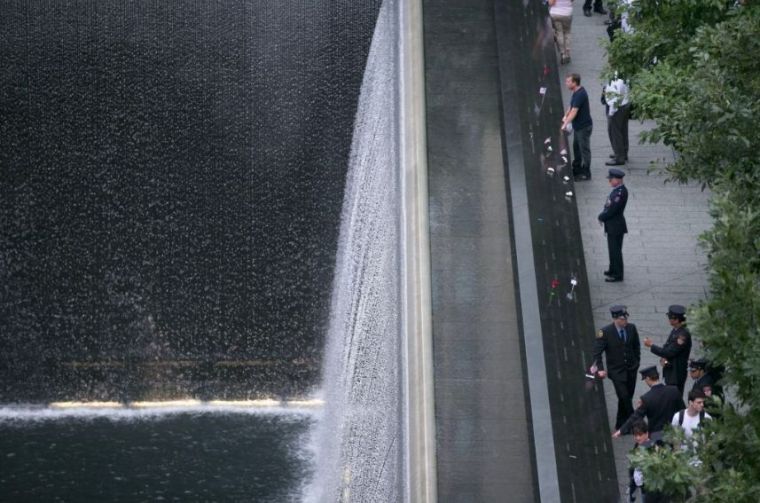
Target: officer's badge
681, 340
600, 334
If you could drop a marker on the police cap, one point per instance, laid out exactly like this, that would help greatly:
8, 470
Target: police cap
650, 372
676, 311
699, 364
618, 311
615, 173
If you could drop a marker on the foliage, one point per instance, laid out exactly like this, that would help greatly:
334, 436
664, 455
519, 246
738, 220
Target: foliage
718, 464
661, 27
694, 69
702, 93
666, 470
727, 323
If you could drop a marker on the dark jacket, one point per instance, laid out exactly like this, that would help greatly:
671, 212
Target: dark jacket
612, 214
705, 380
622, 358
658, 405
676, 351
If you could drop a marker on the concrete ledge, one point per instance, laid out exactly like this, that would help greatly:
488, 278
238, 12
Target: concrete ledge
543, 434
417, 352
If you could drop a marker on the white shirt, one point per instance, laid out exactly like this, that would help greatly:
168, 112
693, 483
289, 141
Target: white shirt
689, 422
616, 95
627, 28
562, 8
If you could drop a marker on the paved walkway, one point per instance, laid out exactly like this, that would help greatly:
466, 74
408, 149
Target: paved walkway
663, 263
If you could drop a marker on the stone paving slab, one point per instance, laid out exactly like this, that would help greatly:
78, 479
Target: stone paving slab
663, 262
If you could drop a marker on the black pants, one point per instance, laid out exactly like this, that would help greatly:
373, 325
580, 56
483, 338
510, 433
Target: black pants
670, 378
615, 249
597, 5
624, 391
617, 130
582, 151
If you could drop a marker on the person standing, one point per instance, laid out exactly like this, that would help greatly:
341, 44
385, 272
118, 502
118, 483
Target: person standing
598, 7
707, 383
658, 405
618, 113
578, 120
619, 20
561, 13
615, 228
713, 401
691, 417
620, 342
698, 372
675, 353
640, 431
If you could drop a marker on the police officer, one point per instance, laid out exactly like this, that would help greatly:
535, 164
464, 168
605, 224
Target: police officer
658, 405
698, 372
675, 353
707, 383
613, 221
620, 342
706, 376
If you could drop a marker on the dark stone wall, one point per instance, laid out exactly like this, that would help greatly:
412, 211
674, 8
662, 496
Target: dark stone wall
533, 111
171, 182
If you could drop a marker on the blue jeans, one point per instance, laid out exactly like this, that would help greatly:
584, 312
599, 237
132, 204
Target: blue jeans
582, 151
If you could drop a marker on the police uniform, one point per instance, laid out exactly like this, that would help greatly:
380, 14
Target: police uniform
658, 405
711, 377
615, 226
705, 379
714, 402
623, 354
676, 351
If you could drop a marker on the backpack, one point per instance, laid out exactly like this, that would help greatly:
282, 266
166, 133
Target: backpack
683, 411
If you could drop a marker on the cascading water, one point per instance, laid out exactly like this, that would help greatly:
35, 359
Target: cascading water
171, 185
357, 440
172, 177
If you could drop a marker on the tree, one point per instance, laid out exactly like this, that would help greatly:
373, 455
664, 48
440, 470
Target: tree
694, 69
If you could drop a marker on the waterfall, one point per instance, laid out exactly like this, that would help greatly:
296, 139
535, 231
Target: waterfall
357, 439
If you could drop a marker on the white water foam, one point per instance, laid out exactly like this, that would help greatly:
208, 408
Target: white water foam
356, 440
34, 413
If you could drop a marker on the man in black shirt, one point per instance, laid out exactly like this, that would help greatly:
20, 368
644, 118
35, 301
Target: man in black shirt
577, 119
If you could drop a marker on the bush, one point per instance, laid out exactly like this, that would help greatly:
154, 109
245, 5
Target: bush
694, 68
